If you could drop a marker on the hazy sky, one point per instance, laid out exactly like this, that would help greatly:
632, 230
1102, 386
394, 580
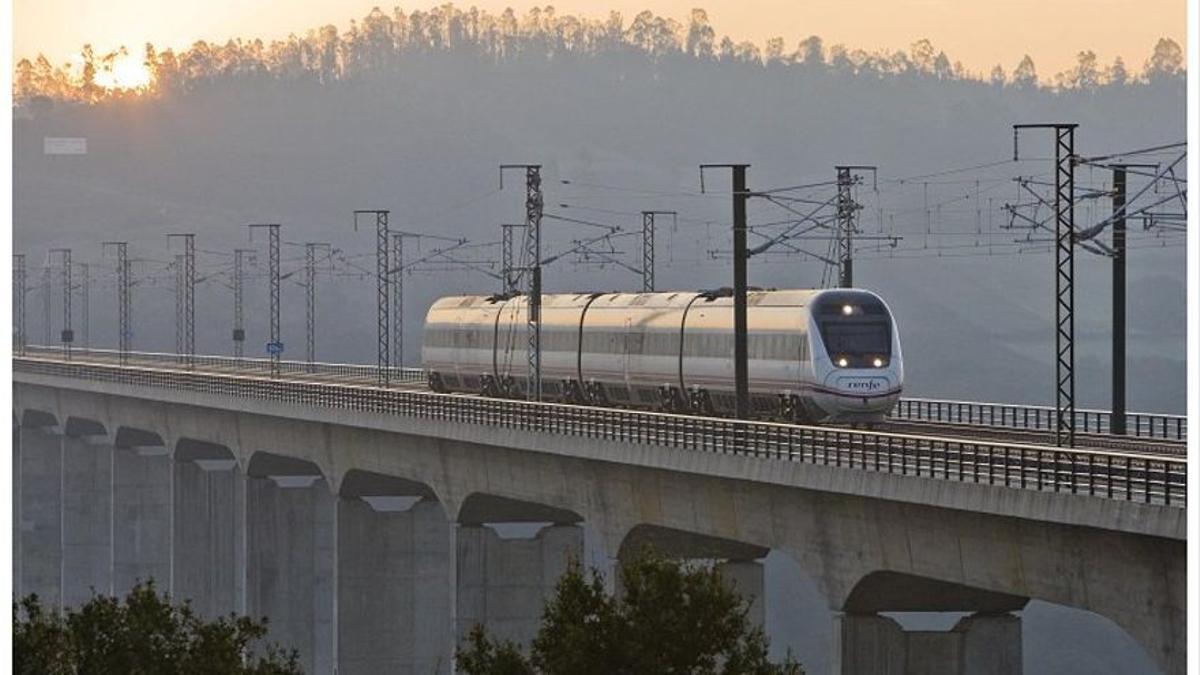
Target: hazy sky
980, 33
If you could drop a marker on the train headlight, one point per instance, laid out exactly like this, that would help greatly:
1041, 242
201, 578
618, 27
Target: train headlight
878, 362
842, 362
847, 309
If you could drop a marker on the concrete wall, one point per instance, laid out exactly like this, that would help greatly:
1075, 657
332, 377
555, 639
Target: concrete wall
503, 583
290, 564
41, 512
87, 481
142, 479
839, 525
870, 644
209, 535
747, 578
16, 509
393, 586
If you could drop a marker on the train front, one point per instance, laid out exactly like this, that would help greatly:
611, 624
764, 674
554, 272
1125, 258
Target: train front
857, 368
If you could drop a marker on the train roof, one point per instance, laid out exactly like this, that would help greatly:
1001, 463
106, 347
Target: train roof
663, 300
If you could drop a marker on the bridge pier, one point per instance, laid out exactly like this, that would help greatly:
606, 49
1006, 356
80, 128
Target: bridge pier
141, 517
747, 578
41, 514
739, 563
209, 532
290, 572
87, 523
16, 508
980, 644
503, 583
393, 585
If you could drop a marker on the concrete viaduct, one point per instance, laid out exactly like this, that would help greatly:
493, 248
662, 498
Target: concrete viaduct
365, 535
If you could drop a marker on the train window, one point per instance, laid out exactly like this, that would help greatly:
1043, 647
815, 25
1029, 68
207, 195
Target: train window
758, 346
634, 343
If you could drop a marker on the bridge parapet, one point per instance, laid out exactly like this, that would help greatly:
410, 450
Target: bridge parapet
1038, 418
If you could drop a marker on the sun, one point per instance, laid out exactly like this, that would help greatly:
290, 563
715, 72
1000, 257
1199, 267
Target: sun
125, 72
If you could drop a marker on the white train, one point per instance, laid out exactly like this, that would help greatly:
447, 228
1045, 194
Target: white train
814, 355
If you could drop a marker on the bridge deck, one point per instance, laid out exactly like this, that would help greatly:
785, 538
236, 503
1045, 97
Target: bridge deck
1147, 477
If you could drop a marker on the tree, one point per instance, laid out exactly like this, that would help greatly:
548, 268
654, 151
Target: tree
923, 55
1025, 76
142, 633
25, 83
811, 51
1117, 75
1086, 74
1166, 62
774, 50
670, 618
997, 77
89, 89
700, 36
942, 68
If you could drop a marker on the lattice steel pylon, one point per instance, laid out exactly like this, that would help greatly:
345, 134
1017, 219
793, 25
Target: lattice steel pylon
47, 304
507, 272
396, 274
310, 303
275, 346
20, 338
178, 264
187, 277
85, 303
1064, 275
648, 232
124, 319
239, 323
67, 335
847, 210
382, 293
533, 257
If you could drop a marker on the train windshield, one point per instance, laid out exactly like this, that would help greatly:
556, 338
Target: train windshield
856, 329
857, 339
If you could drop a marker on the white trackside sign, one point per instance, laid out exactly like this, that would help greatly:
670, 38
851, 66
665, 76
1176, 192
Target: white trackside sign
61, 145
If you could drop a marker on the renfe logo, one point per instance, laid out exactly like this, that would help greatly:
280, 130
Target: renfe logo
860, 384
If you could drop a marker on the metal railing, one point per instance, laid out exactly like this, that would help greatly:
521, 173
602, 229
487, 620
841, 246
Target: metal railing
1154, 426
1037, 418
1110, 475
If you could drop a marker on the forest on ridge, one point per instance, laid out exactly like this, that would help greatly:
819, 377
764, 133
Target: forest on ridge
376, 45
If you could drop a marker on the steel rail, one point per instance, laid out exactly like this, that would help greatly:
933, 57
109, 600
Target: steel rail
1095, 473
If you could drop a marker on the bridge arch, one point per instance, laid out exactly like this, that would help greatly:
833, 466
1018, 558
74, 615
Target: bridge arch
82, 427
993, 625
394, 554
479, 508
284, 470
204, 453
143, 441
34, 418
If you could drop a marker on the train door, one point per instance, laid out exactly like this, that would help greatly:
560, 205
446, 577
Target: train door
628, 348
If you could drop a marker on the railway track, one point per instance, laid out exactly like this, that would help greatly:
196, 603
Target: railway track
408, 380
1143, 446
